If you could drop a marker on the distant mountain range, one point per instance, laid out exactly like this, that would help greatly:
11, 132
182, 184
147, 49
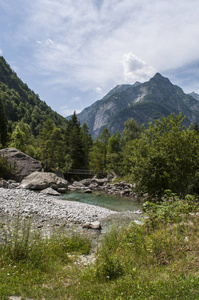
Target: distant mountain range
144, 102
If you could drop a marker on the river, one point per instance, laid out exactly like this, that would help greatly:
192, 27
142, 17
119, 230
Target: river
116, 203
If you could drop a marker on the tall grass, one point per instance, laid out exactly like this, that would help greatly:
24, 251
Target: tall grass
21, 243
156, 260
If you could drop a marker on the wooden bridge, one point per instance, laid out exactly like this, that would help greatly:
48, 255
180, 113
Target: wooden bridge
80, 172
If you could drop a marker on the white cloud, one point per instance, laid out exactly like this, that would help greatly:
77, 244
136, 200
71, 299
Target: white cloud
135, 69
1, 51
87, 40
81, 44
67, 111
98, 90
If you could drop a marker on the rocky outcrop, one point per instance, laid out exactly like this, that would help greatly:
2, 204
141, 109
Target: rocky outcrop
23, 164
121, 188
144, 102
43, 180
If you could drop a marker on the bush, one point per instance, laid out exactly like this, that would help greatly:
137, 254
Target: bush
5, 167
164, 156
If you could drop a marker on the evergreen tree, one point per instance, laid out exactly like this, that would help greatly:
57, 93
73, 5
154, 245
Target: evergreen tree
87, 143
114, 154
45, 144
131, 130
3, 123
74, 143
98, 153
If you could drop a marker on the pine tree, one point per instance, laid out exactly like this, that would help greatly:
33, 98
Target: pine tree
87, 143
73, 142
3, 123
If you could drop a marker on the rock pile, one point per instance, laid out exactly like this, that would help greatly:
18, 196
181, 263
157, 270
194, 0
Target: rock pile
121, 188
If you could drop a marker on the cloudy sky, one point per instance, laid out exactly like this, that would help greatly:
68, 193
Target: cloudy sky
72, 52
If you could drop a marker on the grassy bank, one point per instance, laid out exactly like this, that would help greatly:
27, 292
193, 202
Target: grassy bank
156, 260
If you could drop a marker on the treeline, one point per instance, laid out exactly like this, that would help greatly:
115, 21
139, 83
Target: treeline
163, 156
62, 147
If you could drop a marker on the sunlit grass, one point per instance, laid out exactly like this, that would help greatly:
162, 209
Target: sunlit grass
156, 260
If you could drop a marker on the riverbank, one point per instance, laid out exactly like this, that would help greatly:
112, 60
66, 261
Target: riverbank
47, 212
28, 203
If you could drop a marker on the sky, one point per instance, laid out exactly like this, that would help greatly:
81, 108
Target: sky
72, 53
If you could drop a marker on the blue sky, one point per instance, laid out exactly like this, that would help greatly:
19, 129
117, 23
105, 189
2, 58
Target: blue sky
73, 52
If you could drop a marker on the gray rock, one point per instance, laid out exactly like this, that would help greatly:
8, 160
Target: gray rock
101, 181
93, 186
50, 191
92, 225
88, 191
3, 183
23, 163
42, 180
86, 182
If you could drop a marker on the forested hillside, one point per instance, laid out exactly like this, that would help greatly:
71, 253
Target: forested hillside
30, 125
22, 104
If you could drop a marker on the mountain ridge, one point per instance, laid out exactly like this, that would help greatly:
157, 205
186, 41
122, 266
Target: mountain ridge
22, 104
144, 102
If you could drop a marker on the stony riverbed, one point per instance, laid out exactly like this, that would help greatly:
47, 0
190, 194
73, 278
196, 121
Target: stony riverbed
26, 203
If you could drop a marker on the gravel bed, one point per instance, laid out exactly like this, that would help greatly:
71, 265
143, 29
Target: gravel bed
27, 203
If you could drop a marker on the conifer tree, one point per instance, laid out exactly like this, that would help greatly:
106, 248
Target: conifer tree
3, 123
73, 142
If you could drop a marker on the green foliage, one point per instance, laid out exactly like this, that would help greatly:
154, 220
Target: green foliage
131, 131
77, 142
165, 156
22, 104
5, 167
3, 124
23, 139
172, 209
98, 153
114, 154
108, 265
21, 244
51, 148
87, 143
135, 262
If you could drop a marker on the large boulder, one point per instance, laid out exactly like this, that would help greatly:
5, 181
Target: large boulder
23, 164
43, 180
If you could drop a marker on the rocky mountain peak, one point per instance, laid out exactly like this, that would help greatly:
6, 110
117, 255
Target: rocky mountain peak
144, 102
158, 78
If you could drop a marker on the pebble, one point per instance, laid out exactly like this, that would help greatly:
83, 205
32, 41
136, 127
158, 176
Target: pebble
29, 203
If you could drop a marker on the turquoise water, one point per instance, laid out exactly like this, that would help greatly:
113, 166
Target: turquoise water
100, 199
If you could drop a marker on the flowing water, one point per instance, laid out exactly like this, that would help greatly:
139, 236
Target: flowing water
116, 203
125, 207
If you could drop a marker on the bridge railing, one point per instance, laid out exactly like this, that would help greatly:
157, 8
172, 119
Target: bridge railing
80, 172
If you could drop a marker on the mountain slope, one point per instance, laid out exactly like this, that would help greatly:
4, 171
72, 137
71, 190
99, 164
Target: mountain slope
21, 103
144, 102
